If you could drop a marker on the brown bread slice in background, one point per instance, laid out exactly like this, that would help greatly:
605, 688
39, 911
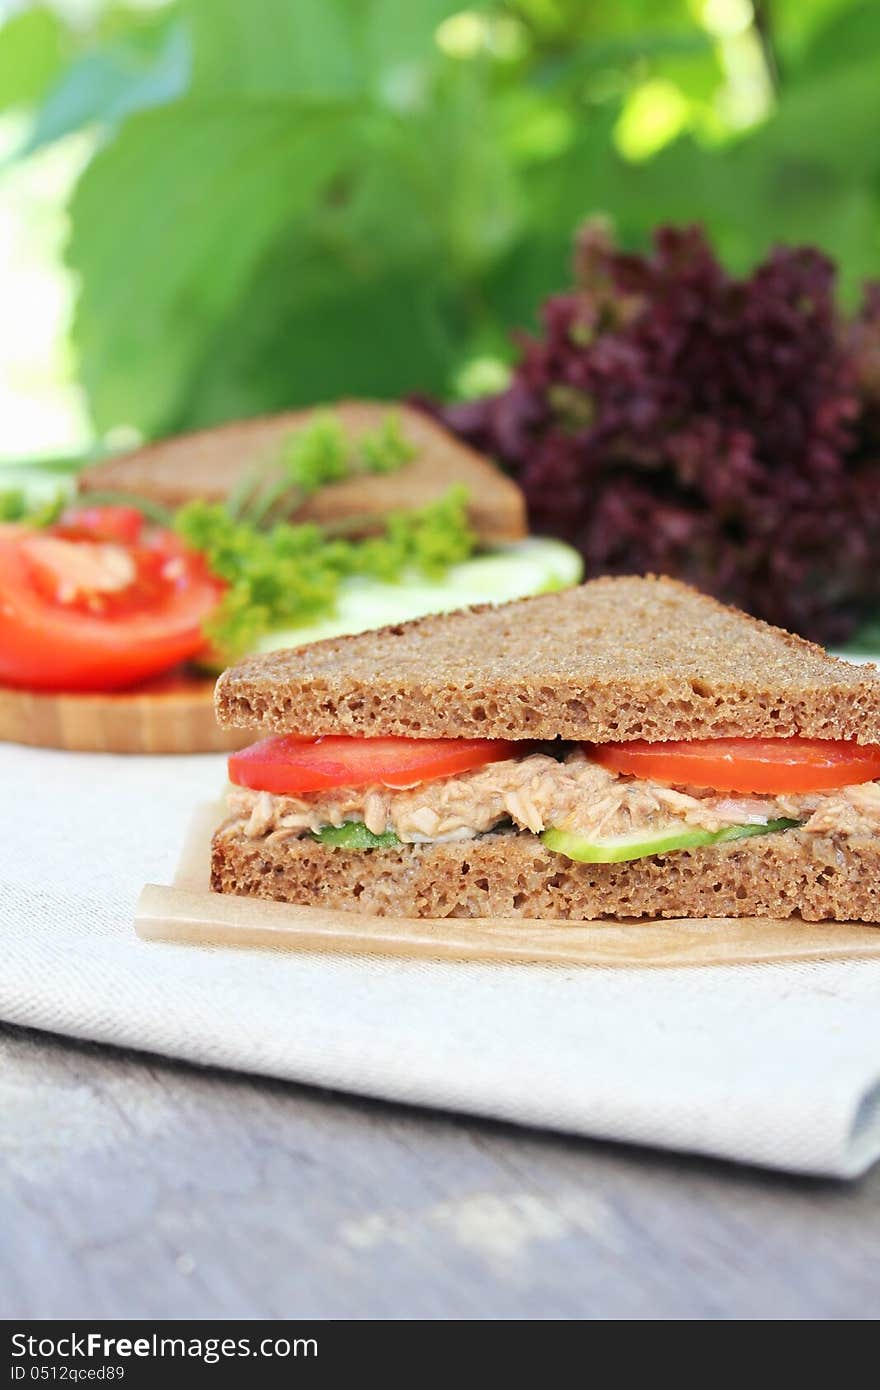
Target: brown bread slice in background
613, 659
209, 463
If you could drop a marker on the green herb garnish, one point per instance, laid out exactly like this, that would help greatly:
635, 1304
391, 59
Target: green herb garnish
319, 454
316, 455
289, 576
386, 448
15, 507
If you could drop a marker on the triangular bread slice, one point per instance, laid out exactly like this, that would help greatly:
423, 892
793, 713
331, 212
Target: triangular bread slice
614, 659
209, 463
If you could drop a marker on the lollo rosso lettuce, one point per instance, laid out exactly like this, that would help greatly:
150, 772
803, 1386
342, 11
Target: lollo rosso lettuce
674, 418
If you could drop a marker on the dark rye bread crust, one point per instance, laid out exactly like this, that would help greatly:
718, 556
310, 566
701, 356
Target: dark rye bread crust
512, 874
611, 660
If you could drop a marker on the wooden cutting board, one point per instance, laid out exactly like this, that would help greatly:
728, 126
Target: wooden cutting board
171, 714
188, 912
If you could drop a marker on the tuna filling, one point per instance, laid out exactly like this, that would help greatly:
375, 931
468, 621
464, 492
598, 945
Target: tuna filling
538, 791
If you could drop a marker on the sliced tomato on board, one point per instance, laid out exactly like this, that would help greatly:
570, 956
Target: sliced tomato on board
745, 764
289, 765
99, 602
122, 524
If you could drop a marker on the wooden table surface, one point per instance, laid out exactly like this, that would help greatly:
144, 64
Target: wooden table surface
133, 1186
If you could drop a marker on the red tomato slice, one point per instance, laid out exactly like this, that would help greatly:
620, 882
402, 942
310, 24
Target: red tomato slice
745, 764
123, 524
289, 765
80, 610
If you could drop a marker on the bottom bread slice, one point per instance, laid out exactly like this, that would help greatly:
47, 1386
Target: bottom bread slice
512, 874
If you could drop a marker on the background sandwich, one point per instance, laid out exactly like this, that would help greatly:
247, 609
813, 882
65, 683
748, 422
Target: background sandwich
211, 464
174, 560
628, 748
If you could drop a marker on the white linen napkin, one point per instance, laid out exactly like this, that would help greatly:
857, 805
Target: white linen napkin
773, 1064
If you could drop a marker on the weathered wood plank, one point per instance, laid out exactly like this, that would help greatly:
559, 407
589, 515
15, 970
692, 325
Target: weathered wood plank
134, 1186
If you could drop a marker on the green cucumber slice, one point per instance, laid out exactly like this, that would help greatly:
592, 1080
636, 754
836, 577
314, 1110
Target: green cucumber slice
354, 835
621, 847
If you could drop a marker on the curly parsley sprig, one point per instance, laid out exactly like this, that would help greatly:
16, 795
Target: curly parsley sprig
310, 458
290, 576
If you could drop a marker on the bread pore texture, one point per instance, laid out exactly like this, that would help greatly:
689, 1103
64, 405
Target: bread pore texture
512, 874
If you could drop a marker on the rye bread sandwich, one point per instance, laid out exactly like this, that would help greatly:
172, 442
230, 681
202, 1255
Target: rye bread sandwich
629, 748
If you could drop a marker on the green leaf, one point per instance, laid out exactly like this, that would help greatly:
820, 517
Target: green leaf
773, 185
169, 222
475, 193
341, 205
398, 41
832, 121
814, 38
107, 84
32, 51
308, 331
317, 49
274, 48
577, 65
353, 834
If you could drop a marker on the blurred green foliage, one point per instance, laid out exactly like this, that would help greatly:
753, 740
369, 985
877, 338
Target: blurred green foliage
292, 200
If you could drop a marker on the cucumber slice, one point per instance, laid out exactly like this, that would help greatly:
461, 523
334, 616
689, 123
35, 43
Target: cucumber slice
354, 835
621, 847
532, 566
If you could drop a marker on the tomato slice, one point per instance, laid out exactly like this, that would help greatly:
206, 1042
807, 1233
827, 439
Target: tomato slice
99, 602
289, 765
772, 765
122, 524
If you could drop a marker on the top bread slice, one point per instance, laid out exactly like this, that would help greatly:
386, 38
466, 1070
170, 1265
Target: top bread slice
614, 659
209, 463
